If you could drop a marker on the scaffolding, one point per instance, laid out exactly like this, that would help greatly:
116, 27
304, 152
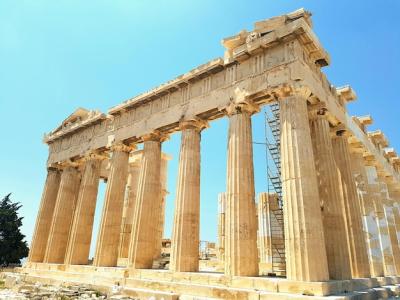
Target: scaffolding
273, 159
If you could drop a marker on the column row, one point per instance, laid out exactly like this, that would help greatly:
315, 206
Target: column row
323, 207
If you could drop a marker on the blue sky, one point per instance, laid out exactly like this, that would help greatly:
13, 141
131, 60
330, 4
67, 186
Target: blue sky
56, 56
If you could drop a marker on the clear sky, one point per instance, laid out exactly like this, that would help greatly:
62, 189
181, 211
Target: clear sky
56, 56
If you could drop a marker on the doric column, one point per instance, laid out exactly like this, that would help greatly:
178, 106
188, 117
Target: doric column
82, 226
271, 241
383, 230
147, 212
221, 225
331, 202
354, 227
63, 214
186, 230
110, 226
164, 193
365, 194
129, 208
304, 237
241, 257
389, 214
390, 210
384, 237
264, 231
396, 214
394, 194
45, 216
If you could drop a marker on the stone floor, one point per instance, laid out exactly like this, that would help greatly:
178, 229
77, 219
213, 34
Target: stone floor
37, 291
84, 282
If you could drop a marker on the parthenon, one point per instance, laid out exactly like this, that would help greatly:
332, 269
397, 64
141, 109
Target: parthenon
337, 219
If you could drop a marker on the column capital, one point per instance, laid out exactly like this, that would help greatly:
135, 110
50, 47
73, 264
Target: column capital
302, 92
53, 167
91, 155
95, 155
234, 108
156, 136
293, 92
69, 164
340, 130
318, 111
121, 147
197, 124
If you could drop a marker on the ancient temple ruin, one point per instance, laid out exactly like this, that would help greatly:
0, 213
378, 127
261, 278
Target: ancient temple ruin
336, 230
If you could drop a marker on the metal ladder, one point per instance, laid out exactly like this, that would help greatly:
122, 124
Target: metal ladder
273, 126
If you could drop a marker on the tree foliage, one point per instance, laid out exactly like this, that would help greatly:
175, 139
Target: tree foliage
13, 247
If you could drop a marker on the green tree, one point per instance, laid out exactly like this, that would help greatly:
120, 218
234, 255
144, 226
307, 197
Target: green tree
12, 244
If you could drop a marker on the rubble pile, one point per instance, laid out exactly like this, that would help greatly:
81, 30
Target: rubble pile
14, 288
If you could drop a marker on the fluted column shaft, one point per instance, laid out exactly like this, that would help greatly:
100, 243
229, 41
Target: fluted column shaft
332, 208
62, 217
383, 231
241, 257
396, 214
221, 225
395, 196
304, 238
186, 230
264, 230
82, 226
371, 230
390, 211
389, 214
45, 216
355, 234
129, 209
108, 238
145, 225
161, 219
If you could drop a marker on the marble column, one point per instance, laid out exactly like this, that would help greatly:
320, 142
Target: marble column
390, 210
264, 231
383, 227
365, 194
389, 214
63, 215
164, 193
355, 234
108, 238
147, 212
396, 214
129, 208
82, 226
331, 202
186, 230
241, 257
45, 216
221, 225
306, 258
394, 194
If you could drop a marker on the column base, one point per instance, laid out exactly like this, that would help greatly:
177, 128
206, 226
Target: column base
207, 284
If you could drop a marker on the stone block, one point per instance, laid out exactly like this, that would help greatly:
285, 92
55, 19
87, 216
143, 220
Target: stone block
305, 288
10, 281
266, 284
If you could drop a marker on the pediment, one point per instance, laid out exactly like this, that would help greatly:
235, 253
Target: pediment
80, 118
77, 116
